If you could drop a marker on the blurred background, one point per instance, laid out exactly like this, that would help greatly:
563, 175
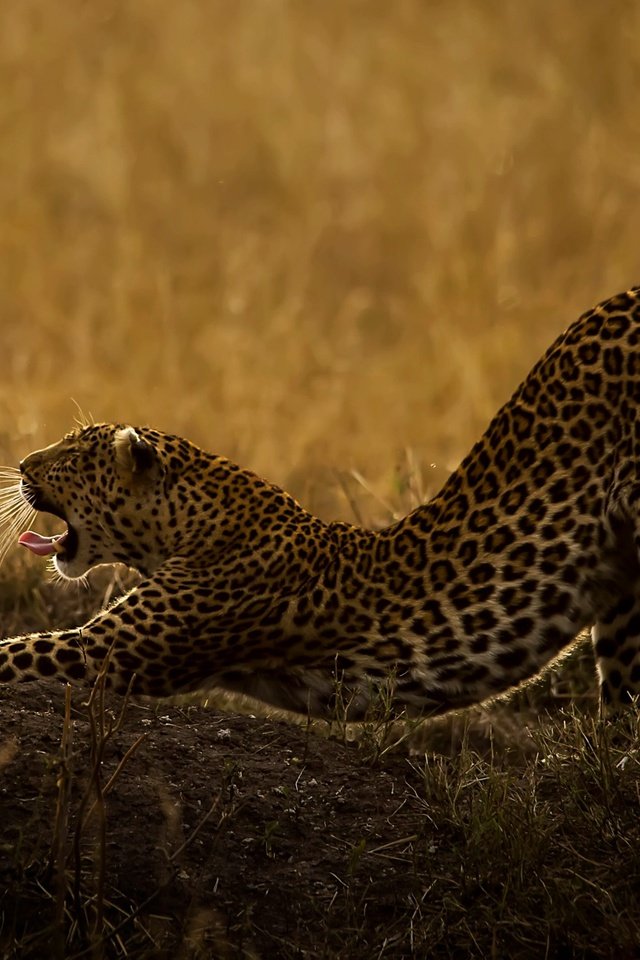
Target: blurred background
307, 235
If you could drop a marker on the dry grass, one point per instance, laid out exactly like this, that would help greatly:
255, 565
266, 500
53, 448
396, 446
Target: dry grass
306, 235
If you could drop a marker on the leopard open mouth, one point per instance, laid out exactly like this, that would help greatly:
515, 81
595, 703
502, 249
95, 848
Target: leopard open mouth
63, 545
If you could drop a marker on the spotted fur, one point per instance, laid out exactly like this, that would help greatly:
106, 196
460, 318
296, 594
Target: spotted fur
535, 536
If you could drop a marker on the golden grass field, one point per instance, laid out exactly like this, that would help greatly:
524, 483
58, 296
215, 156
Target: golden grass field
308, 235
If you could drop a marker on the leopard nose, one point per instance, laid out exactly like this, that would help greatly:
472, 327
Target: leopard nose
30, 463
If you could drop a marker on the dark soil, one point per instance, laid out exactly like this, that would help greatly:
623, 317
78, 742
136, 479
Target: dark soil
284, 849
231, 836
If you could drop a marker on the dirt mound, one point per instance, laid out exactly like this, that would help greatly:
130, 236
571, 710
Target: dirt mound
229, 836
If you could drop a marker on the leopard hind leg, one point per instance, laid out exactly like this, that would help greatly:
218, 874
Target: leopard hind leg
616, 642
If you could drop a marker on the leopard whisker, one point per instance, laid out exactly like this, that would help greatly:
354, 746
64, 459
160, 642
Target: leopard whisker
18, 521
13, 502
81, 418
13, 490
18, 513
12, 505
8, 510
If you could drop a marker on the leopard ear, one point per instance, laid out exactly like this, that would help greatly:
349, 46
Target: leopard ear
133, 454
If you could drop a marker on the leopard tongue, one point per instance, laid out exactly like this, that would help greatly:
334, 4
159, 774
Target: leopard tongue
41, 546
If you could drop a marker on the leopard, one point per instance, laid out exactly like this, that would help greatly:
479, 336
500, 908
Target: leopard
532, 540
